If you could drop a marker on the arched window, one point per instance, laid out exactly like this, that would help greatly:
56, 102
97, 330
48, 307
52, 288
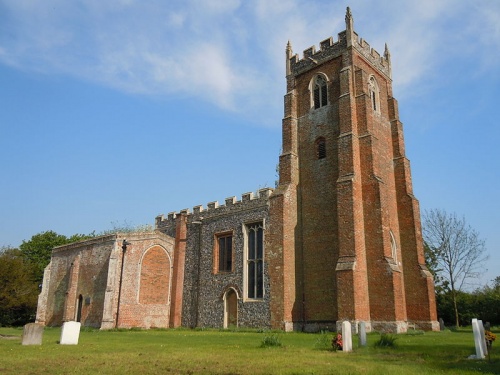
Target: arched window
394, 247
154, 277
320, 148
255, 261
374, 94
320, 92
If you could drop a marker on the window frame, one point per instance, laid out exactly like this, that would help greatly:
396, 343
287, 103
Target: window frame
258, 280
374, 94
217, 269
319, 91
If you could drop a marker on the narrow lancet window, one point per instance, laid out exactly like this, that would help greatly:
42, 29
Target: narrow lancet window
374, 94
320, 93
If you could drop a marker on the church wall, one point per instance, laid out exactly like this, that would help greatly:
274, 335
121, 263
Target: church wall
81, 285
147, 280
204, 286
92, 259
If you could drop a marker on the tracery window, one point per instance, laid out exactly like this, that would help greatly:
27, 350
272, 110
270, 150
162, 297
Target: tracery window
374, 94
320, 92
255, 261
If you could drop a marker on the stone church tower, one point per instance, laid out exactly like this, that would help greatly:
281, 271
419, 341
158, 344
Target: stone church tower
344, 240
338, 239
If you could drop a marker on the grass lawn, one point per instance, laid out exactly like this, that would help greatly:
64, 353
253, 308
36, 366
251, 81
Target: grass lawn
183, 351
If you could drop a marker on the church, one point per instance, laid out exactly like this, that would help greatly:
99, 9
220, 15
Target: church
338, 239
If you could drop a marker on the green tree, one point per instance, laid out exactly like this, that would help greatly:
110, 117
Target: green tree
455, 251
38, 249
18, 289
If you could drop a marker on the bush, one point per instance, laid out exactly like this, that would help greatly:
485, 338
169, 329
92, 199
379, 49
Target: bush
386, 341
270, 340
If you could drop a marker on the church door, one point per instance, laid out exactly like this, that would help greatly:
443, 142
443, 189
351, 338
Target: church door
231, 309
79, 309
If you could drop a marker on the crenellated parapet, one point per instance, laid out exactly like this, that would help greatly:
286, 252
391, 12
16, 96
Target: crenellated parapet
231, 205
311, 57
329, 49
383, 63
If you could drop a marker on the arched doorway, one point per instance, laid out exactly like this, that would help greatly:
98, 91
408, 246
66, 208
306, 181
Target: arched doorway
79, 308
230, 309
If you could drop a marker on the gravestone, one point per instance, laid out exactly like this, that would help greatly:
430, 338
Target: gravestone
362, 333
32, 334
441, 324
346, 337
70, 333
487, 326
480, 353
483, 338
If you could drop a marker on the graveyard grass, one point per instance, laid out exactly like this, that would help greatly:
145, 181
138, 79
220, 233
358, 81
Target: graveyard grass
183, 351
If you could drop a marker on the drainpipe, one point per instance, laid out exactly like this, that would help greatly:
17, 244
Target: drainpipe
124, 249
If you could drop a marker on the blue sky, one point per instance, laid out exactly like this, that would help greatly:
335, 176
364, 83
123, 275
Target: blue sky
114, 112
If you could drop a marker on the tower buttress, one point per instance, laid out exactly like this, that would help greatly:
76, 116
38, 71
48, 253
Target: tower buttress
338, 240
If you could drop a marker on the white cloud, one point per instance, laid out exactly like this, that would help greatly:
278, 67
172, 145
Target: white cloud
221, 51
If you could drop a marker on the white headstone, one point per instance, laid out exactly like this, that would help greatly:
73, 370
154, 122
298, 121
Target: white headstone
70, 333
483, 338
346, 337
362, 333
477, 339
32, 334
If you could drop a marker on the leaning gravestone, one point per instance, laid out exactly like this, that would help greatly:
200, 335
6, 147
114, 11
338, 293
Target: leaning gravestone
362, 333
346, 337
441, 324
32, 334
480, 353
483, 338
70, 333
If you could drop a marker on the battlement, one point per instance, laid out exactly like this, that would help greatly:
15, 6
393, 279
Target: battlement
382, 62
311, 58
248, 201
328, 49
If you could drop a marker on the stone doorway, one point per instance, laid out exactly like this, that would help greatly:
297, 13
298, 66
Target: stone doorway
79, 309
230, 309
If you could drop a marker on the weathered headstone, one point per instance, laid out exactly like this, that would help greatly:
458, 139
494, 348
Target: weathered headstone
441, 324
362, 333
32, 334
346, 337
483, 338
487, 326
477, 339
70, 333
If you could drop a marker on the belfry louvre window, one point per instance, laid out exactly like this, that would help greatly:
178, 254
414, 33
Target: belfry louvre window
255, 261
224, 253
320, 92
321, 148
374, 94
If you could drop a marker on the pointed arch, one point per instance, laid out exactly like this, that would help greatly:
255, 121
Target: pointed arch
318, 88
230, 308
79, 306
374, 92
394, 247
155, 276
